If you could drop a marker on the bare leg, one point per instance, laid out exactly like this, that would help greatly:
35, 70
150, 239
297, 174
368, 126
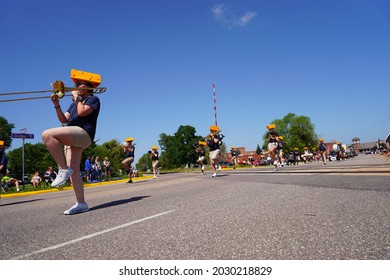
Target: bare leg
54, 139
73, 159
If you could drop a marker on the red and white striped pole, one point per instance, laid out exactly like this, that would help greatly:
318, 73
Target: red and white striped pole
215, 105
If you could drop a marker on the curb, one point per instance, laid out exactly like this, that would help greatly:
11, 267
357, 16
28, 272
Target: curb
19, 194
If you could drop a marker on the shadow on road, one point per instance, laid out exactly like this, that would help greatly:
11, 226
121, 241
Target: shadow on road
20, 202
117, 202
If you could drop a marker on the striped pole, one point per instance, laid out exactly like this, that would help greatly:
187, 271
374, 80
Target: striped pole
215, 105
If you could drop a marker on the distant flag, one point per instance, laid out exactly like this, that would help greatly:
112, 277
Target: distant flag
23, 130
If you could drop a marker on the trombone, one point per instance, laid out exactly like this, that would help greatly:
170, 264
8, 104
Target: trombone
59, 89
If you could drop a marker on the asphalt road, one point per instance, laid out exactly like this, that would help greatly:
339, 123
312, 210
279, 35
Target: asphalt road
337, 211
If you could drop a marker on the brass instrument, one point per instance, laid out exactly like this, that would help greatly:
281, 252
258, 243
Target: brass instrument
59, 89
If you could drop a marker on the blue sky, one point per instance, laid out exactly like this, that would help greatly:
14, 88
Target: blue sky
328, 60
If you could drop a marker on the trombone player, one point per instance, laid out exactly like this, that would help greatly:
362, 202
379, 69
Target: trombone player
201, 154
66, 143
214, 141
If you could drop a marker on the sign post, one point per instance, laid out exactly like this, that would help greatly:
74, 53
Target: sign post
22, 136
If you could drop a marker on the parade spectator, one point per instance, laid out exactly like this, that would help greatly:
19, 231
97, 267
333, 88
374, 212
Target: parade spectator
36, 179
7, 181
98, 168
50, 175
88, 169
106, 169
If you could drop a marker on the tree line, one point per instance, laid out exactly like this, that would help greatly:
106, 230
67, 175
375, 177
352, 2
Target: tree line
297, 131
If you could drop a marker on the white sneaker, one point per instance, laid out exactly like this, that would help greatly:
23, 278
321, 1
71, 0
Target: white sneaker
214, 175
219, 167
77, 208
62, 177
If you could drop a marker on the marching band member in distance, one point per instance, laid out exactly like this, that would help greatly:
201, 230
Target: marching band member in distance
234, 154
214, 142
279, 151
272, 141
201, 155
3, 160
81, 118
128, 149
322, 149
154, 156
306, 155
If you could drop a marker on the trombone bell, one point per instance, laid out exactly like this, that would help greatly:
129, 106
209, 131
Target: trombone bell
58, 88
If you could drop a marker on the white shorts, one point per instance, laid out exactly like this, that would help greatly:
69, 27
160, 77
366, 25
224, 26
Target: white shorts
128, 161
81, 138
214, 154
272, 146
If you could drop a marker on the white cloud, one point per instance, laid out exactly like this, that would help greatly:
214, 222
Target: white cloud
222, 14
245, 19
219, 11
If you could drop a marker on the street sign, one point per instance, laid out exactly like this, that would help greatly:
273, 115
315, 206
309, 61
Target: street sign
22, 135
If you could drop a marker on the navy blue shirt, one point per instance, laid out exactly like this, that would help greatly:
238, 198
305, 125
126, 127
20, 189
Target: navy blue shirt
322, 147
155, 155
213, 146
201, 152
272, 136
88, 123
130, 153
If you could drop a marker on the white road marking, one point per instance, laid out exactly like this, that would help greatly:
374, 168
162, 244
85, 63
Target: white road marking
51, 248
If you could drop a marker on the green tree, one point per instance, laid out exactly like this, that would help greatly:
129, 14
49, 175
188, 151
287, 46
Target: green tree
6, 131
174, 148
297, 131
258, 150
36, 158
145, 163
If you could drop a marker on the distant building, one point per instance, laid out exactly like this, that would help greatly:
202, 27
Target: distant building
369, 146
245, 157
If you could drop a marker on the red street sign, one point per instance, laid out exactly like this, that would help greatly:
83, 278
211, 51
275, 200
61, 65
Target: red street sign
22, 135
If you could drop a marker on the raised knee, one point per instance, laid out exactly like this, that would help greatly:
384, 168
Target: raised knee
45, 136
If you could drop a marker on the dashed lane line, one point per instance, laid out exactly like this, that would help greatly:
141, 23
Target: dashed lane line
51, 248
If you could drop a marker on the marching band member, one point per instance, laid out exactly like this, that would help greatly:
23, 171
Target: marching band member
81, 119
279, 151
128, 149
3, 160
342, 152
234, 153
296, 156
201, 155
272, 140
154, 156
306, 155
214, 142
322, 149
